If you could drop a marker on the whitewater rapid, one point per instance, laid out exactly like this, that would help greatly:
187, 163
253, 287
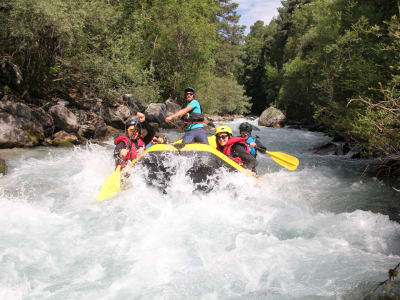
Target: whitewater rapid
320, 232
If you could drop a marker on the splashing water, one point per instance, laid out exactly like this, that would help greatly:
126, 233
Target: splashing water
320, 232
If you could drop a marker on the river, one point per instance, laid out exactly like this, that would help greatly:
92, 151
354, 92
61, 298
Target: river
320, 232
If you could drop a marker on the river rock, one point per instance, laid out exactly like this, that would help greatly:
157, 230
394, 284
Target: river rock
45, 119
20, 125
64, 139
63, 118
272, 117
119, 115
326, 149
156, 112
3, 167
171, 107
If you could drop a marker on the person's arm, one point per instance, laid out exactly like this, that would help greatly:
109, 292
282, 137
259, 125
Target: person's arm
179, 113
260, 147
117, 150
248, 159
150, 132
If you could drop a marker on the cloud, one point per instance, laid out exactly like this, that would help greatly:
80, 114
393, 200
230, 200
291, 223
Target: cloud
254, 10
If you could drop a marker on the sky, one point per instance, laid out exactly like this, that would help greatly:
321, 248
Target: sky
254, 10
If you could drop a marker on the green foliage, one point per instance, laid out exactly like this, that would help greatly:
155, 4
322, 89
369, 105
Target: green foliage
74, 44
319, 55
261, 76
104, 48
223, 96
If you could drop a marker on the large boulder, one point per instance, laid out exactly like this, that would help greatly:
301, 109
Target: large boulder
171, 107
95, 129
45, 119
156, 112
119, 115
64, 119
272, 117
22, 126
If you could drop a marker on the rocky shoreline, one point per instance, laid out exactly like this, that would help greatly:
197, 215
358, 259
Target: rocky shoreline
73, 121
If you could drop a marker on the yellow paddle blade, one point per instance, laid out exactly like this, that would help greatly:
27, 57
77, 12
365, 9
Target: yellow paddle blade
285, 160
111, 186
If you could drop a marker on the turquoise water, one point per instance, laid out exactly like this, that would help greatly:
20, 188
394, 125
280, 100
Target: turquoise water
320, 232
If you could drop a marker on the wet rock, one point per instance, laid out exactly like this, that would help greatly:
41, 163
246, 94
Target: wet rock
272, 117
339, 148
64, 139
325, 149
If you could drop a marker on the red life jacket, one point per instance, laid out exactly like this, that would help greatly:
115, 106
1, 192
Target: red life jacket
133, 149
227, 150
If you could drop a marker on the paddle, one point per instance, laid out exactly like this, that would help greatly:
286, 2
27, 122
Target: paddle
112, 185
285, 160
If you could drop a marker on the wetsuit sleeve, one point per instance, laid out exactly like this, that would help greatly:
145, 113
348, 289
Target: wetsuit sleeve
260, 146
248, 159
118, 149
150, 132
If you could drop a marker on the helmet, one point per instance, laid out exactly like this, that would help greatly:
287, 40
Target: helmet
134, 123
223, 128
246, 127
189, 89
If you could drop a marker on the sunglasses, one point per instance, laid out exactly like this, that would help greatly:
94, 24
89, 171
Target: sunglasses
222, 136
130, 130
189, 93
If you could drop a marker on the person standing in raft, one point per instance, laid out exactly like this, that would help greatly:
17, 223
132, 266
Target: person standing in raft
193, 120
245, 130
130, 145
235, 148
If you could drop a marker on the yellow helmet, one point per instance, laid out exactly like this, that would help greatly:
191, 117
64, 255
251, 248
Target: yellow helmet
223, 128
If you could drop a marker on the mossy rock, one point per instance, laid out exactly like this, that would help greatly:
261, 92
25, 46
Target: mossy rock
33, 135
3, 167
59, 143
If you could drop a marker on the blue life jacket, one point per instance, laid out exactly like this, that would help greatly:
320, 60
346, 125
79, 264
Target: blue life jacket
252, 150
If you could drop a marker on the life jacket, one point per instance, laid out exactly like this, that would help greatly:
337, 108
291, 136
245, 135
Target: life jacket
227, 149
192, 117
249, 140
132, 146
